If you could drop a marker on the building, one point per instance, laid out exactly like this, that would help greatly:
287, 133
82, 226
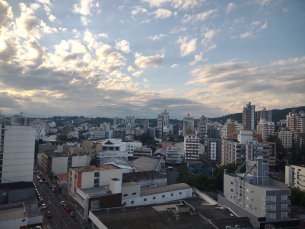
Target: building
19, 120
60, 146
147, 164
255, 195
130, 120
294, 176
111, 154
188, 125
146, 179
121, 163
249, 116
265, 128
191, 148
87, 147
41, 129
62, 179
286, 138
229, 127
97, 134
119, 134
105, 126
146, 125
213, 150
118, 145
58, 163
141, 152
16, 151
173, 155
264, 114
163, 123
202, 127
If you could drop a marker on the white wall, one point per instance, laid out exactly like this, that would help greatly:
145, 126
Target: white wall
105, 177
59, 165
79, 161
18, 154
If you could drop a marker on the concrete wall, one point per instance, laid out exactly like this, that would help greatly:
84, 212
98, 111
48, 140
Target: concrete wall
18, 195
98, 224
79, 161
105, 177
35, 220
128, 190
15, 223
18, 154
206, 197
59, 165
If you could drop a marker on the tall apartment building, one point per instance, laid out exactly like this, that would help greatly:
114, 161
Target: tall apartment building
286, 138
40, 127
146, 125
105, 126
173, 155
255, 195
265, 128
130, 120
188, 125
191, 148
249, 116
213, 150
264, 114
202, 127
296, 121
294, 176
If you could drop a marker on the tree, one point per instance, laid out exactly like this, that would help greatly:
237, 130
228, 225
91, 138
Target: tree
145, 137
62, 137
95, 161
202, 141
180, 138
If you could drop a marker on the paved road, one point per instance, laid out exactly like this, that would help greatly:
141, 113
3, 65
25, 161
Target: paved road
60, 219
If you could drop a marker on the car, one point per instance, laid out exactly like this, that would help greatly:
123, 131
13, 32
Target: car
44, 206
65, 205
40, 198
49, 215
53, 190
71, 214
62, 203
67, 209
40, 181
47, 183
44, 179
50, 187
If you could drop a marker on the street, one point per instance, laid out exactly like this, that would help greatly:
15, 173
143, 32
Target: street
60, 218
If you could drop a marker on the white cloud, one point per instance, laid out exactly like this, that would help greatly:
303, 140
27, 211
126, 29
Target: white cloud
196, 59
240, 20
157, 37
84, 20
230, 7
199, 17
45, 2
256, 23
52, 17
138, 9
63, 29
46, 29
147, 61
137, 73
130, 69
186, 47
121, 7
156, 3
175, 13
262, 2
162, 13
185, 4
246, 34
145, 80
175, 65
34, 6
264, 25
103, 35
123, 45
177, 30
84, 7
145, 21
285, 10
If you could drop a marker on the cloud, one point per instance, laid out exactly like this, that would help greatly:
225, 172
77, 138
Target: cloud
52, 17
186, 47
84, 7
175, 65
157, 37
199, 17
246, 34
138, 9
137, 73
256, 23
285, 10
264, 25
185, 4
103, 35
262, 2
230, 7
7, 101
147, 61
197, 58
45, 2
123, 45
84, 20
240, 20
156, 3
162, 13
145, 80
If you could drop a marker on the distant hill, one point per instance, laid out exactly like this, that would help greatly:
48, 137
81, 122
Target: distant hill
276, 115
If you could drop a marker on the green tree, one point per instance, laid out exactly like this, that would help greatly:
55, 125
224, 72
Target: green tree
180, 138
62, 137
95, 161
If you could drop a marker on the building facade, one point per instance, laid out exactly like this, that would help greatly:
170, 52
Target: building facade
265, 128
264, 114
249, 116
191, 148
188, 125
202, 127
294, 176
286, 138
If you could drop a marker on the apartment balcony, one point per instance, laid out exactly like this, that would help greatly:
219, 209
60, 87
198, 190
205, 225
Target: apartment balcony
286, 201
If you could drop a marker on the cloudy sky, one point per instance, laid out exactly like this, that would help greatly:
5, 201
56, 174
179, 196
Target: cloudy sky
117, 58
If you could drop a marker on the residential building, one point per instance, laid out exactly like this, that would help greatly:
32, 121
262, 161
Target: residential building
229, 127
62, 179
111, 154
213, 150
141, 152
188, 125
255, 195
147, 164
202, 127
249, 116
60, 146
40, 127
87, 147
264, 114
58, 163
130, 120
19, 120
191, 150
97, 134
173, 155
286, 138
213, 129
105, 126
146, 125
232, 151
294, 176
163, 123
265, 128
116, 121
16, 151
146, 179
118, 145
119, 134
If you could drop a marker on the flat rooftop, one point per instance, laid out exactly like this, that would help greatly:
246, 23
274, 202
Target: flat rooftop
95, 190
127, 184
146, 217
127, 177
146, 164
11, 212
92, 168
165, 188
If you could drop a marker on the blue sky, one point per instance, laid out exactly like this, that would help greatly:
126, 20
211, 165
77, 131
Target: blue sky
118, 58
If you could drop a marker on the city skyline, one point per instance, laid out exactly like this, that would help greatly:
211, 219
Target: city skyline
96, 58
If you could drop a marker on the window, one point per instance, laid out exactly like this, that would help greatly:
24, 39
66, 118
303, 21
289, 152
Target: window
134, 193
172, 194
124, 203
180, 193
284, 215
284, 197
145, 199
163, 196
125, 194
132, 202
154, 198
270, 216
97, 174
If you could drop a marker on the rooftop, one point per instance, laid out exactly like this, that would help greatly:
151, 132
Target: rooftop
12, 211
146, 217
100, 189
146, 164
127, 177
64, 176
92, 168
118, 162
166, 188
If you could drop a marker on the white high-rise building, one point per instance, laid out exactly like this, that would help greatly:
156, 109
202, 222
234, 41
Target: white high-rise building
265, 128
249, 116
40, 127
163, 121
16, 153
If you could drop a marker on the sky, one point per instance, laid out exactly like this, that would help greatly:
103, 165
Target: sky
117, 58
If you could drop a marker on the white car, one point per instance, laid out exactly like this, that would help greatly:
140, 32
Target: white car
44, 206
62, 203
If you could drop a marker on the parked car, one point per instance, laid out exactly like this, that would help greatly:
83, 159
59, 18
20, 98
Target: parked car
49, 215
72, 214
47, 183
62, 203
53, 190
40, 181
65, 205
67, 209
44, 206
50, 187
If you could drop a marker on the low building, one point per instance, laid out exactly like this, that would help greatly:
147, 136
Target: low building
87, 147
173, 155
121, 163
147, 164
16, 192
141, 152
146, 179
111, 154
62, 179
